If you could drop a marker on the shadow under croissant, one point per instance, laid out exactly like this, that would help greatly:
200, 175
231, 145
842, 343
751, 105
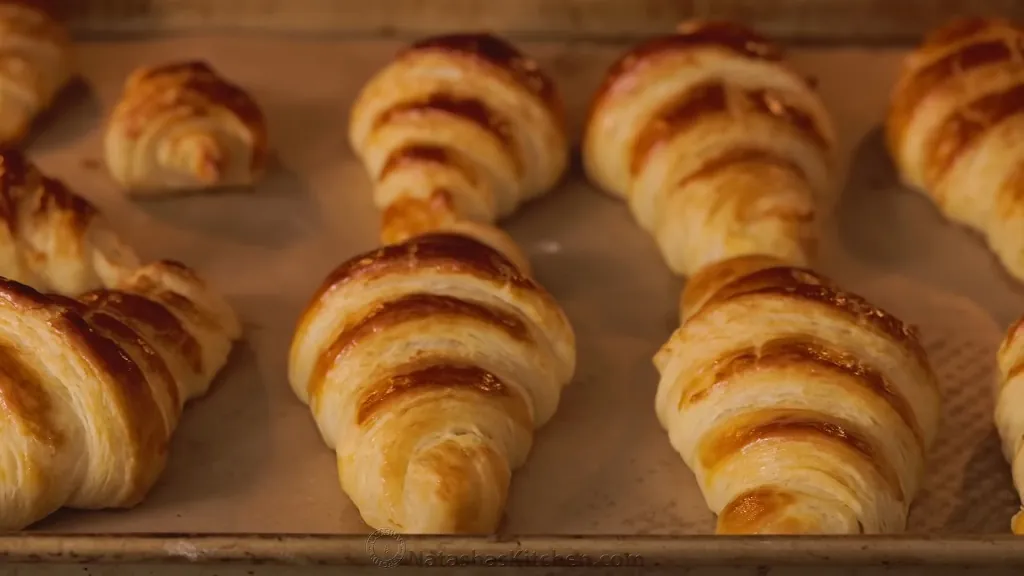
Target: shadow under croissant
870, 227
76, 111
274, 213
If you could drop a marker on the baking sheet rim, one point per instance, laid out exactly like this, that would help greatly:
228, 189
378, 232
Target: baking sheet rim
351, 549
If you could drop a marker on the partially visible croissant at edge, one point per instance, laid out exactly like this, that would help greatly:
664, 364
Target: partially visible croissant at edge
718, 146
91, 389
428, 364
800, 408
462, 129
35, 64
182, 127
51, 238
955, 129
1009, 412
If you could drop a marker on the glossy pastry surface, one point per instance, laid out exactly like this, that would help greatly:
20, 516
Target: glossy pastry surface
800, 408
955, 129
91, 389
719, 147
457, 127
181, 126
53, 239
428, 364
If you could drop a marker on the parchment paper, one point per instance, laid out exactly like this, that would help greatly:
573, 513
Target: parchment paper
248, 459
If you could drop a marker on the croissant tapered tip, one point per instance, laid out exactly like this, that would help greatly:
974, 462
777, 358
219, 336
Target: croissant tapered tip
457, 486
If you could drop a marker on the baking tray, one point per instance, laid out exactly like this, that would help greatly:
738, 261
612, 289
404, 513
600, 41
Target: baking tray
249, 478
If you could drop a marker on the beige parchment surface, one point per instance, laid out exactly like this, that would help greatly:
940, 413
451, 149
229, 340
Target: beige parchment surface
248, 459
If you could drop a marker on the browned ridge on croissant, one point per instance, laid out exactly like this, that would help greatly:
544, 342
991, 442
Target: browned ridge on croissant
697, 103
736, 38
807, 285
162, 322
738, 433
408, 308
420, 153
801, 351
962, 129
16, 175
199, 78
439, 376
440, 251
736, 156
973, 118
469, 109
23, 393
500, 54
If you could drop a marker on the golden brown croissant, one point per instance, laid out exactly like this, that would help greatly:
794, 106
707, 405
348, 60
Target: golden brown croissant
1009, 413
955, 128
181, 126
92, 389
428, 365
799, 407
719, 147
458, 127
35, 64
53, 239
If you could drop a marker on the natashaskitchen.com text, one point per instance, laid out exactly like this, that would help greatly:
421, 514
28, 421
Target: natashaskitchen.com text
521, 558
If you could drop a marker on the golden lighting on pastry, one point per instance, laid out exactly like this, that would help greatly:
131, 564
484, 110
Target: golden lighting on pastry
719, 147
428, 364
181, 127
53, 239
457, 127
92, 388
35, 64
799, 407
955, 127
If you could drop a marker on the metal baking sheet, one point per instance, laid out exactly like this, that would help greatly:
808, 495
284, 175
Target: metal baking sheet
247, 460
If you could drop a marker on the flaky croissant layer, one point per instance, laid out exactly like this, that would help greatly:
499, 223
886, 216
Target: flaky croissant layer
719, 147
53, 239
181, 126
91, 388
457, 127
800, 408
955, 129
427, 365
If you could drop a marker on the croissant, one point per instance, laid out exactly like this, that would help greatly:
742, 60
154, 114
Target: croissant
91, 389
180, 127
458, 127
1009, 417
799, 407
53, 239
428, 364
955, 127
720, 149
35, 64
